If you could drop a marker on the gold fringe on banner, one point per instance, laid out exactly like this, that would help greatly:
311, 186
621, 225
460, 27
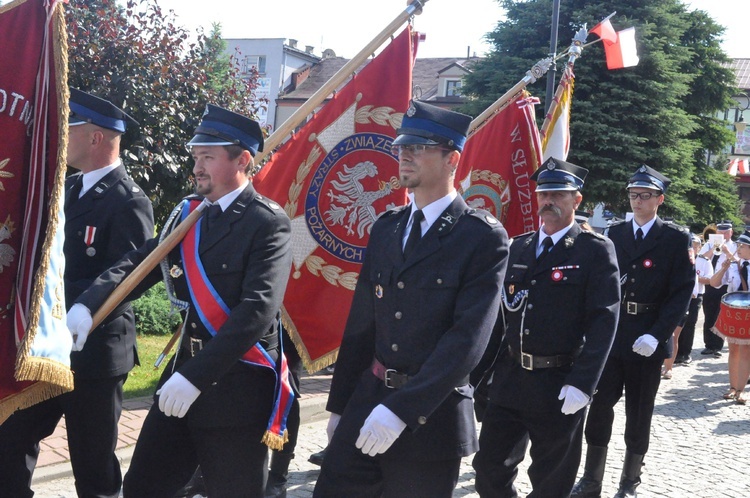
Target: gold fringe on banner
275, 441
310, 365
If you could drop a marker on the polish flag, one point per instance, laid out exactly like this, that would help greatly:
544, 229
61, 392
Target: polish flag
619, 46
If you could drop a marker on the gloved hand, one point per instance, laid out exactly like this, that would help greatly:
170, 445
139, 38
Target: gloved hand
333, 422
645, 345
79, 323
379, 431
575, 399
176, 396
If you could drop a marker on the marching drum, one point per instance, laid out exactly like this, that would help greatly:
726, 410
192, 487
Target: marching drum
733, 323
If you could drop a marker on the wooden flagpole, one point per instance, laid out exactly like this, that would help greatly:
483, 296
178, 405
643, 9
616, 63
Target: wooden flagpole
336, 80
174, 238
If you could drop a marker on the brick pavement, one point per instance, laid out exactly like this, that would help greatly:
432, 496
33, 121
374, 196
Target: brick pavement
699, 444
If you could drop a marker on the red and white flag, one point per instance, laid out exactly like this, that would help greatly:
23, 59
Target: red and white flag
496, 165
619, 47
334, 177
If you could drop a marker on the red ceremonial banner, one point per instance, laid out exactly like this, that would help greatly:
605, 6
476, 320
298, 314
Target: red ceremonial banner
496, 166
334, 178
34, 356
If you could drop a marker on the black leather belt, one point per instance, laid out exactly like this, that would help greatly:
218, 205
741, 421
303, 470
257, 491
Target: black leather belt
637, 308
392, 378
534, 361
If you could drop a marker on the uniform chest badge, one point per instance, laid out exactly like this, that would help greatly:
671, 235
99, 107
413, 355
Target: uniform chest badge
557, 275
511, 289
88, 239
175, 271
90, 251
379, 291
647, 263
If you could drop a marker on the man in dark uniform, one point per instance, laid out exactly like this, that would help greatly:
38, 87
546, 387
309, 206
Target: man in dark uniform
561, 300
107, 215
657, 280
215, 398
423, 310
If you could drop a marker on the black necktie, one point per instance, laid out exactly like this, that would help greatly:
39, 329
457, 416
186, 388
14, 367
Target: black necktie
638, 237
546, 247
75, 191
743, 274
212, 214
415, 235
715, 260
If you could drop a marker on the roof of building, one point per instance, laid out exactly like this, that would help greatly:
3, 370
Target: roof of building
424, 76
741, 68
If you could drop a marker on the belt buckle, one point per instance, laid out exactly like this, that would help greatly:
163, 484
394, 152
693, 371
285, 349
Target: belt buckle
387, 378
195, 346
631, 307
527, 361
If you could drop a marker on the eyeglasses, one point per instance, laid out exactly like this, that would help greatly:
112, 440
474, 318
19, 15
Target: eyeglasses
644, 196
414, 149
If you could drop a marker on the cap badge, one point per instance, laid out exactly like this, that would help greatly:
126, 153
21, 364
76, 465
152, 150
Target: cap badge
411, 110
642, 169
551, 165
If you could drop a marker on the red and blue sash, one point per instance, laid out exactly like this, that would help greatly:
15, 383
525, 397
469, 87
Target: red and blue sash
213, 312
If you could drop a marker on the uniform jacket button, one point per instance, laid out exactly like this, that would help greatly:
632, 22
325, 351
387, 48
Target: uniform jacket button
439, 281
632, 294
533, 282
422, 420
193, 325
394, 347
526, 332
632, 280
224, 266
398, 315
400, 285
634, 267
530, 306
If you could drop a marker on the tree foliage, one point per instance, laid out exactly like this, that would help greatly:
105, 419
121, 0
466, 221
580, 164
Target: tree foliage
140, 59
658, 113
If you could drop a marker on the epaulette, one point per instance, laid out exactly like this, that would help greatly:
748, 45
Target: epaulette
272, 205
595, 234
676, 226
392, 210
485, 216
615, 223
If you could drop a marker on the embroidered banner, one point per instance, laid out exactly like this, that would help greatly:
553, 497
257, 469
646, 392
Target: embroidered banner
334, 178
34, 342
496, 165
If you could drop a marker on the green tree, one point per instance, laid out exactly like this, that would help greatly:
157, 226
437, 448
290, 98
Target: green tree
139, 58
657, 113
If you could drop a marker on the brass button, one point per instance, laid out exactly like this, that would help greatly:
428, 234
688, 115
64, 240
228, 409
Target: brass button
398, 315
394, 347
400, 285
422, 420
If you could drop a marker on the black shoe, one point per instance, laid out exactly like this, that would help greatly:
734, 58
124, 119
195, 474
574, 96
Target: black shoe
707, 351
683, 360
717, 353
317, 458
195, 486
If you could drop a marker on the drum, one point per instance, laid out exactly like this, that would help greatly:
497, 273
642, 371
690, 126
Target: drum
733, 323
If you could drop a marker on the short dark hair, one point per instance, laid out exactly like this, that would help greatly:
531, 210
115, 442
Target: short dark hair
233, 151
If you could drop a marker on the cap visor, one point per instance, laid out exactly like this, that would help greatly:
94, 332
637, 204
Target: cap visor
546, 187
201, 139
643, 185
413, 139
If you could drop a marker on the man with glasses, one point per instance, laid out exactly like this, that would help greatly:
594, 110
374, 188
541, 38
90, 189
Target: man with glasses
712, 296
425, 303
561, 299
657, 278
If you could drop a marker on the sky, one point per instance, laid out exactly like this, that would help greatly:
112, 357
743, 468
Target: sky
454, 28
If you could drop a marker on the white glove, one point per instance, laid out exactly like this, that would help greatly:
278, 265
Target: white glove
333, 422
645, 345
79, 323
379, 431
575, 399
176, 396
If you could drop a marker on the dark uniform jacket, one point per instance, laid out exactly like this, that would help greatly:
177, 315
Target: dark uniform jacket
659, 273
247, 258
571, 308
429, 317
121, 214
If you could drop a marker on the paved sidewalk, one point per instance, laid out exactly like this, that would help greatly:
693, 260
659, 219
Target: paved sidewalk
699, 443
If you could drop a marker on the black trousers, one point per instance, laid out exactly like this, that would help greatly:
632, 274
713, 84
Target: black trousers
640, 380
685, 342
556, 441
91, 411
711, 308
233, 460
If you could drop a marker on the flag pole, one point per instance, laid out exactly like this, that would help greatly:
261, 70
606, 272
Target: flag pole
533, 74
174, 238
336, 80
575, 50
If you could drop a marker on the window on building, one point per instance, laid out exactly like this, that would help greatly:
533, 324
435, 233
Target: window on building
453, 88
253, 61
